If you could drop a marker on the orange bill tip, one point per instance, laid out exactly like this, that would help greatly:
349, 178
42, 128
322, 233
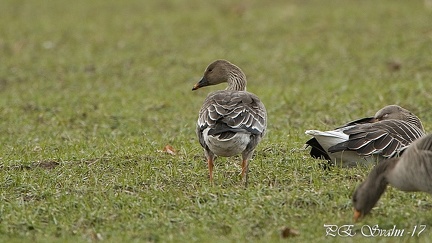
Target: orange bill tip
357, 215
196, 86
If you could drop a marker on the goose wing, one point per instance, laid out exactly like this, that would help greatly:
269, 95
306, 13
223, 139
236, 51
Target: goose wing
318, 152
385, 137
365, 120
232, 111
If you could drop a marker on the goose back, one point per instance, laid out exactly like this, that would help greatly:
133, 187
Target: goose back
413, 172
226, 111
368, 139
386, 138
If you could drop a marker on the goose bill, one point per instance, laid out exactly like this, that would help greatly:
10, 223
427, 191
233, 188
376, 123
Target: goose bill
357, 215
203, 82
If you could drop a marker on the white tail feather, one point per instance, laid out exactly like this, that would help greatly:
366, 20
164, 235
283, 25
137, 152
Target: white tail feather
328, 138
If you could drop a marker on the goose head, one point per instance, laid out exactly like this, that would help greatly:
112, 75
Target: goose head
221, 71
369, 192
398, 113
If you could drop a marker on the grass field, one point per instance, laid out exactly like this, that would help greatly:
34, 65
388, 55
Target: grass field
92, 91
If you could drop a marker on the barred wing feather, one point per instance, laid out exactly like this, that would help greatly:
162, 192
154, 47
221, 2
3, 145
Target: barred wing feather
387, 138
237, 110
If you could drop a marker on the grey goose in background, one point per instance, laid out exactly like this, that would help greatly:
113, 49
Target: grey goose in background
410, 172
231, 121
367, 140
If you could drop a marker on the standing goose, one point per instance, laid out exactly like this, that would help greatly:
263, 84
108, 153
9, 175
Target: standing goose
410, 172
231, 121
367, 140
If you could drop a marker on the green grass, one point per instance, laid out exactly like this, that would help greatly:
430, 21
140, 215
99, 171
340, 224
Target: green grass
92, 91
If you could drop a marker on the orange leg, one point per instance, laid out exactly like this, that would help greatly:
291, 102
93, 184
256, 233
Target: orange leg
210, 167
245, 170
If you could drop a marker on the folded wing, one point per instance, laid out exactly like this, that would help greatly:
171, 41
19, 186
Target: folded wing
387, 137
